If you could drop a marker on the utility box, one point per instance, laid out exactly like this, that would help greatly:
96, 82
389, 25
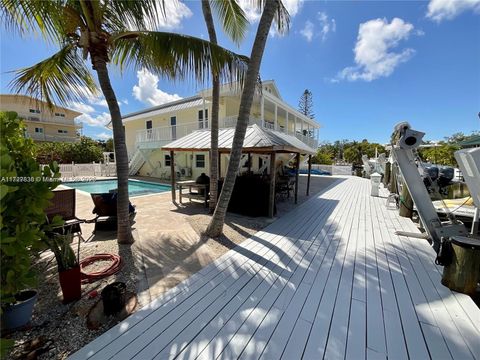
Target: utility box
375, 180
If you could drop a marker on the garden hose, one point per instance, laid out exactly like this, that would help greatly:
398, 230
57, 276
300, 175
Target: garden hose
116, 264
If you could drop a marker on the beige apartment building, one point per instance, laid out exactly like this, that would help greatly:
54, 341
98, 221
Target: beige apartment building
150, 129
43, 124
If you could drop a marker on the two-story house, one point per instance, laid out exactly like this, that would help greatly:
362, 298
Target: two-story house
43, 123
150, 129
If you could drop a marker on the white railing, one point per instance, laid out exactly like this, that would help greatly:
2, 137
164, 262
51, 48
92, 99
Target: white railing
84, 170
55, 138
169, 133
51, 120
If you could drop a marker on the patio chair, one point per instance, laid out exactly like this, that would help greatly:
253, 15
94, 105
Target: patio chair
105, 208
63, 205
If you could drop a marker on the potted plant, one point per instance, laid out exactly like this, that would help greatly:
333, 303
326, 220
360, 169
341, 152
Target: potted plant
24, 195
67, 262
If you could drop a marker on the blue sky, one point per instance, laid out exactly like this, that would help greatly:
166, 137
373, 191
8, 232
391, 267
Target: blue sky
369, 65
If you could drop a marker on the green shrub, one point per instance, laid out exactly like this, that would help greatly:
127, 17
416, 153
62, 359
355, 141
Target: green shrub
85, 151
25, 190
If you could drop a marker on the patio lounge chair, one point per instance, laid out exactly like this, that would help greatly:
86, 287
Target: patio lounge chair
63, 204
106, 211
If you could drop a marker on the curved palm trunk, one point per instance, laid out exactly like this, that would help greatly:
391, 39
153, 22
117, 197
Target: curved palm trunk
215, 227
124, 232
207, 14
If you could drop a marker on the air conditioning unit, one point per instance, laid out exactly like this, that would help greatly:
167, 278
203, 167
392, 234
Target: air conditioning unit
186, 172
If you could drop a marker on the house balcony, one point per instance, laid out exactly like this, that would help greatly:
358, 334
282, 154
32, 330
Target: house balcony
52, 138
160, 136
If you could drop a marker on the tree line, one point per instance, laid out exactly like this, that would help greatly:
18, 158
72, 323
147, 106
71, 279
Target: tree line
86, 150
348, 151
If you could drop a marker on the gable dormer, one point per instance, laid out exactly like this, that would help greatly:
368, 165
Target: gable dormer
270, 87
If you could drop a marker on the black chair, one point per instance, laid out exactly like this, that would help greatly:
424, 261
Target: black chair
105, 208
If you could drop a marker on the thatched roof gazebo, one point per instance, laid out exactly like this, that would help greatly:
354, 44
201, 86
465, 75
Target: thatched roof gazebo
257, 141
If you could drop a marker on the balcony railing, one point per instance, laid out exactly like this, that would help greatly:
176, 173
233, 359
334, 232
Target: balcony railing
50, 120
55, 138
163, 135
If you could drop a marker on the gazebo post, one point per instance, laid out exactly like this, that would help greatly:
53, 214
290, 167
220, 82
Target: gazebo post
271, 198
219, 165
309, 170
297, 167
172, 174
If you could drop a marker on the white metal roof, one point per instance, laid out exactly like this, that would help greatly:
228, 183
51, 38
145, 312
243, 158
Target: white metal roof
165, 108
256, 139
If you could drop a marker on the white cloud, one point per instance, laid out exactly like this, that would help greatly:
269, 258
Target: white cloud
321, 29
103, 135
175, 12
100, 120
326, 25
81, 107
439, 10
253, 14
147, 90
374, 57
308, 30
125, 101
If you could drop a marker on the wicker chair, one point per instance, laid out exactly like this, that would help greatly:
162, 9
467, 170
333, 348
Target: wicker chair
63, 205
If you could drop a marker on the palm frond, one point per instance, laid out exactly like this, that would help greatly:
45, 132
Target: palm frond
232, 17
134, 15
40, 17
63, 77
282, 17
177, 56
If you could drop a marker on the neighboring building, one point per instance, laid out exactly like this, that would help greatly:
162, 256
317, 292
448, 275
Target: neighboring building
43, 124
470, 142
150, 129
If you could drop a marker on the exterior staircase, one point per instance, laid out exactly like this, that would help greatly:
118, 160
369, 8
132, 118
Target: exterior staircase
136, 162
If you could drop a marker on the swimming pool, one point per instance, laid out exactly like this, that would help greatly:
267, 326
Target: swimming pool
135, 187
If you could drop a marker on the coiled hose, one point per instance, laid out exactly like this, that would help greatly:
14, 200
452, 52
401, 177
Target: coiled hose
116, 265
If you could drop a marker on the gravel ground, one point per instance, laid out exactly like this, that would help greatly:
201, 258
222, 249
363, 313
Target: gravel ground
65, 325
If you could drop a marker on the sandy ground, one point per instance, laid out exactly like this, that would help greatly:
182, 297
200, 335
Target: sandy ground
169, 247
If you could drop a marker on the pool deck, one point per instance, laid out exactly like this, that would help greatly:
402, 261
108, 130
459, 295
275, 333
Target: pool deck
328, 280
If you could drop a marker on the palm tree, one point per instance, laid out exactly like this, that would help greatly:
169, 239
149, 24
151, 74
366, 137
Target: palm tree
234, 24
108, 31
272, 9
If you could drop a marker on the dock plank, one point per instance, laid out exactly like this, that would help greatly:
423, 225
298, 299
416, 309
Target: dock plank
328, 280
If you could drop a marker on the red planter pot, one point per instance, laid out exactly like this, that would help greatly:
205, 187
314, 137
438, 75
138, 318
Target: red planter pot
70, 282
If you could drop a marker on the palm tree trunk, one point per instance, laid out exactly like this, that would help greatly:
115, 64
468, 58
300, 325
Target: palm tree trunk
124, 232
207, 14
215, 227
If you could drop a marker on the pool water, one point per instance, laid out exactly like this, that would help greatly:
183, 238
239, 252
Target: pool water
135, 187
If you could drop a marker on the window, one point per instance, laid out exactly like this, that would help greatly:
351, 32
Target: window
60, 114
199, 161
60, 131
167, 160
173, 124
39, 130
148, 125
35, 111
202, 121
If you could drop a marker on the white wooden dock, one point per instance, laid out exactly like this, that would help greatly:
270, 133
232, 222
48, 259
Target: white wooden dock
328, 280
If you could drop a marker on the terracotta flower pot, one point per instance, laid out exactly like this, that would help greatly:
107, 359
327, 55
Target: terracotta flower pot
70, 282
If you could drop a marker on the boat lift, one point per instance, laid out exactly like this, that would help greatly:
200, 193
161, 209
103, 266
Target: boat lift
404, 142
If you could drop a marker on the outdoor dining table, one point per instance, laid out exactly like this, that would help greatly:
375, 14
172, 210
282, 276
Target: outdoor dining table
191, 184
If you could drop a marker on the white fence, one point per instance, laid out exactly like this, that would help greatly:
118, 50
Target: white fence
91, 169
332, 169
